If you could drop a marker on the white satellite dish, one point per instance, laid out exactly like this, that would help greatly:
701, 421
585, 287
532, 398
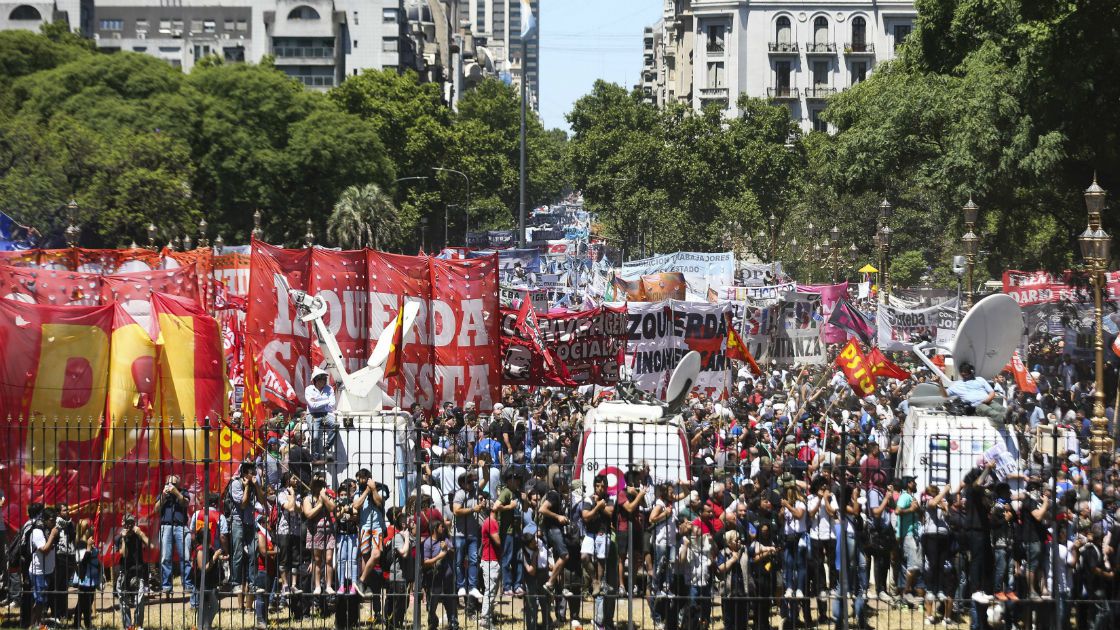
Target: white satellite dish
682, 380
988, 335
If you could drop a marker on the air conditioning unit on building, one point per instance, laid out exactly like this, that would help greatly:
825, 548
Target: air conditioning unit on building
141, 34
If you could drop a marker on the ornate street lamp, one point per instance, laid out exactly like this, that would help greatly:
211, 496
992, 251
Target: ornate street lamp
309, 237
219, 244
884, 239
187, 244
971, 244
834, 251
257, 232
1096, 245
152, 236
202, 240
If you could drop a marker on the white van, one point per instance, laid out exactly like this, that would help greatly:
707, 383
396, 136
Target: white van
619, 435
938, 448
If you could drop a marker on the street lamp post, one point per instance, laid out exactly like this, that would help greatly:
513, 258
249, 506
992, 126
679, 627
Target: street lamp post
772, 222
834, 251
1096, 247
468, 209
971, 244
886, 211
73, 232
811, 231
152, 236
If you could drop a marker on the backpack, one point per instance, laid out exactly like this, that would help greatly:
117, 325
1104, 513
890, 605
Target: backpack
228, 505
19, 549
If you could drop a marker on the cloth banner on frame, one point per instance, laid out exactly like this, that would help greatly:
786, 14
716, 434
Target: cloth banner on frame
591, 344
700, 270
661, 333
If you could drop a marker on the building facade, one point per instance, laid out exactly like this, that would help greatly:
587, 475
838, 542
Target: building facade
791, 52
318, 42
494, 27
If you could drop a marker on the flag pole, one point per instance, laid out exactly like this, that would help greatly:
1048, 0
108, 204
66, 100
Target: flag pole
524, 83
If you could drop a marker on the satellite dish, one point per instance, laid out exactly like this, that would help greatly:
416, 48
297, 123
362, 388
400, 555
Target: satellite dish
988, 335
682, 380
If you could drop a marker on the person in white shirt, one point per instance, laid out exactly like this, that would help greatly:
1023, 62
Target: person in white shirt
662, 520
320, 413
44, 536
794, 516
823, 514
698, 551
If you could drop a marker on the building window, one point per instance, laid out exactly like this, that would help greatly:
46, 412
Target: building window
177, 26
227, 25
820, 74
242, 25
112, 24
209, 26
901, 32
196, 26
782, 78
25, 12
139, 49
715, 38
389, 16
820, 30
389, 45
817, 123
715, 74
303, 12
859, 72
142, 24
784, 33
234, 53
355, 43
859, 34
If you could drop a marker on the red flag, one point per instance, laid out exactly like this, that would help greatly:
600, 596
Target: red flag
277, 392
529, 328
854, 365
396, 357
883, 367
736, 349
1023, 379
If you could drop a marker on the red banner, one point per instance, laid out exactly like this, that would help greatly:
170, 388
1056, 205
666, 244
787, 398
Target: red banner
451, 354
591, 344
98, 413
1029, 288
854, 365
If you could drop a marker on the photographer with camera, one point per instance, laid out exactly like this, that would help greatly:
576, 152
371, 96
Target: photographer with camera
372, 526
173, 503
132, 577
346, 540
64, 563
317, 509
208, 570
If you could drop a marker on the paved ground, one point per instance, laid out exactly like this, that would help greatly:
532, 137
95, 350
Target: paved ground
175, 614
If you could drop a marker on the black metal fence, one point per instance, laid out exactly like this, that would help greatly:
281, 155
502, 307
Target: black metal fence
628, 520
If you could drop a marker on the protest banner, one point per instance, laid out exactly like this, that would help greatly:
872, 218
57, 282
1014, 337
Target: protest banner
453, 353
92, 399
761, 292
898, 327
659, 334
758, 274
795, 334
700, 270
830, 294
591, 345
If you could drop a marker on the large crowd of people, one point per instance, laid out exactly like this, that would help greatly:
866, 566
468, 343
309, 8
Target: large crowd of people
794, 511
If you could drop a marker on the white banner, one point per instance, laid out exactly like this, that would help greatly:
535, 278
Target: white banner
897, 327
701, 271
758, 274
660, 333
739, 294
795, 334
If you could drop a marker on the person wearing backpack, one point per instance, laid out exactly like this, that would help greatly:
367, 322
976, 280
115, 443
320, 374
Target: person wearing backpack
19, 558
208, 570
398, 568
42, 538
87, 576
132, 579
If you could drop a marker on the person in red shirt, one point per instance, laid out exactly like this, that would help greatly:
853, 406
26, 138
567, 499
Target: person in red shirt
491, 563
707, 523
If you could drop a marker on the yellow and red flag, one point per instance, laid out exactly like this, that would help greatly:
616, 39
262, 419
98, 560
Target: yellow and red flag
855, 367
736, 349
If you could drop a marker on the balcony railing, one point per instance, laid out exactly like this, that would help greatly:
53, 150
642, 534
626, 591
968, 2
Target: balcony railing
824, 48
782, 93
819, 91
304, 52
859, 49
783, 48
717, 92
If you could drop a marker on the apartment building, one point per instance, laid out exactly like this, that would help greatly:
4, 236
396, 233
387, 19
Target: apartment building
795, 53
494, 28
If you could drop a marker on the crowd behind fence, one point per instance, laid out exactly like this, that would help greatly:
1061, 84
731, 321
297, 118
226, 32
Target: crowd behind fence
532, 519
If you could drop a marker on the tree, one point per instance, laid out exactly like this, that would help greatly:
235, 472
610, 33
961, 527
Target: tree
364, 217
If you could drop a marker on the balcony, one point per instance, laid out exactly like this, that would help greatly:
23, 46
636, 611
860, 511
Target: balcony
303, 52
782, 93
859, 49
819, 92
783, 48
825, 48
716, 92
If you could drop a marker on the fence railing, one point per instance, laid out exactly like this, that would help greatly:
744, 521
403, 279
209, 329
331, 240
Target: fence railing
656, 523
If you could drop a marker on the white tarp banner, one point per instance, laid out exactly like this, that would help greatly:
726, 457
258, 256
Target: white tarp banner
739, 294
795, 333
897, 327
701, 271
759, 274
661, 333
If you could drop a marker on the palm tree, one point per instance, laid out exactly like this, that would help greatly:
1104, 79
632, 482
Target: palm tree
364, 216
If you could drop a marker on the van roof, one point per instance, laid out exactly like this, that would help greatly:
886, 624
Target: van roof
621, 411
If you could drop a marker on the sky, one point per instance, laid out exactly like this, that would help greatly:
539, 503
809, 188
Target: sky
585, 40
